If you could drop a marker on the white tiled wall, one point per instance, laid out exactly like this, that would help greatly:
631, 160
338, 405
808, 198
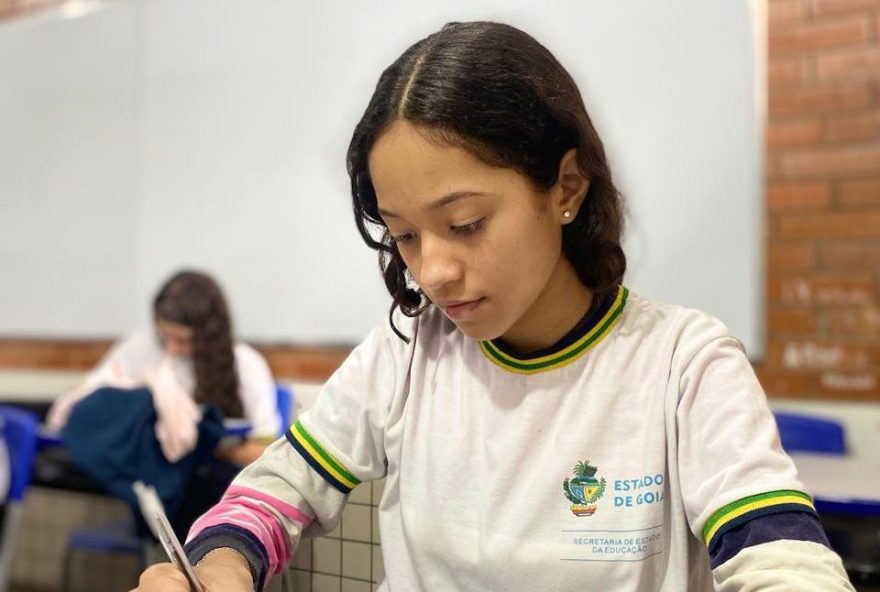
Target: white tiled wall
349, 559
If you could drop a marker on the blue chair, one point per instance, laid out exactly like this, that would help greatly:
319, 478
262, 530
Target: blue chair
18, 430
284, 397
117, 537
807, 433
121, 537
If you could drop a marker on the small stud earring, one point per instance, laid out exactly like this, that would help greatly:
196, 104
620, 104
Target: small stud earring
566, 214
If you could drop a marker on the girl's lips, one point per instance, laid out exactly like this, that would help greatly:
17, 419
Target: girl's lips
461, 310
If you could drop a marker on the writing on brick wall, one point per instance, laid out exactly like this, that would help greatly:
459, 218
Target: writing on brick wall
810, 355
849, 383
801, 291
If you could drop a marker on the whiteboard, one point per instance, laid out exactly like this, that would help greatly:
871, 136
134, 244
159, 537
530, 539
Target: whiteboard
212, 133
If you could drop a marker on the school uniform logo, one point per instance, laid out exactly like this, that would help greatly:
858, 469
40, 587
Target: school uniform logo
584, 490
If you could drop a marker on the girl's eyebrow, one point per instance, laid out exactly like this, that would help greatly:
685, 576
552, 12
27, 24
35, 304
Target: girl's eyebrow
439, 203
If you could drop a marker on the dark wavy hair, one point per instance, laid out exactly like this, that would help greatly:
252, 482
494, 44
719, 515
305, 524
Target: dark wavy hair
195, 300
495, 91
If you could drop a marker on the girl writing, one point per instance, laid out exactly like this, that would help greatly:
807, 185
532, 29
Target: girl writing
538, 425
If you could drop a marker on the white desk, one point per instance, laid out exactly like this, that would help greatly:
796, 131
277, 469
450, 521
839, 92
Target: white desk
840, 484
37, 386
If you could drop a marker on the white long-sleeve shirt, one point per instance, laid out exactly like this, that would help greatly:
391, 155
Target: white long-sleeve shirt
638, 454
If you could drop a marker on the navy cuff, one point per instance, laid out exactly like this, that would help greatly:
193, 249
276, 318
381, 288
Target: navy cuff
792, 526
237, 539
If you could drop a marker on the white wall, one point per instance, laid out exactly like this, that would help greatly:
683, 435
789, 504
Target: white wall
213, 133
67, 164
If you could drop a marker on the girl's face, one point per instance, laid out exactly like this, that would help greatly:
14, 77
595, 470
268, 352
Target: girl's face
482, 243
176, 339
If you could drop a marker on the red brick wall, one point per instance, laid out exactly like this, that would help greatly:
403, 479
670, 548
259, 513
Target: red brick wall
10, 8
823, 200
313, 363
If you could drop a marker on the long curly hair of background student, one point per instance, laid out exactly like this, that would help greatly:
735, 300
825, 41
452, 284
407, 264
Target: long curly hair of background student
195, 300
495, 91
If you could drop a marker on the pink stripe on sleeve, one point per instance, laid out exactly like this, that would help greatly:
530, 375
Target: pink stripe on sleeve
244, 507
288, 511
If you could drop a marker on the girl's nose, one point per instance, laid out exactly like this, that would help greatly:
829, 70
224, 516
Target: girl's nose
439, 265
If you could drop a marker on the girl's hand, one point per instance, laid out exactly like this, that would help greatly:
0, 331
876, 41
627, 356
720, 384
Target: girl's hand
162, 576
221, 570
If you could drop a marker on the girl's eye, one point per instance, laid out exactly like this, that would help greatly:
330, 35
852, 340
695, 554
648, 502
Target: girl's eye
402, 238
468, 228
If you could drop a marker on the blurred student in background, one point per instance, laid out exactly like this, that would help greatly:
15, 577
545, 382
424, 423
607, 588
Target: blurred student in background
188, 358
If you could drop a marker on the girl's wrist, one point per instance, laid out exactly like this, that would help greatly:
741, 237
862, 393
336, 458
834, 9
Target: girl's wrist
228, 561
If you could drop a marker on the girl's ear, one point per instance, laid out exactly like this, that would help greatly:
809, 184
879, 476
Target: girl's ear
571, 188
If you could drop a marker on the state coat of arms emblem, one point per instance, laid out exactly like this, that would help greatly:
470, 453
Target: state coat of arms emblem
584, 489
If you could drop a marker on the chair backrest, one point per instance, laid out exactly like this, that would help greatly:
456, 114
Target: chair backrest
808, 433
18, 431
285, 405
